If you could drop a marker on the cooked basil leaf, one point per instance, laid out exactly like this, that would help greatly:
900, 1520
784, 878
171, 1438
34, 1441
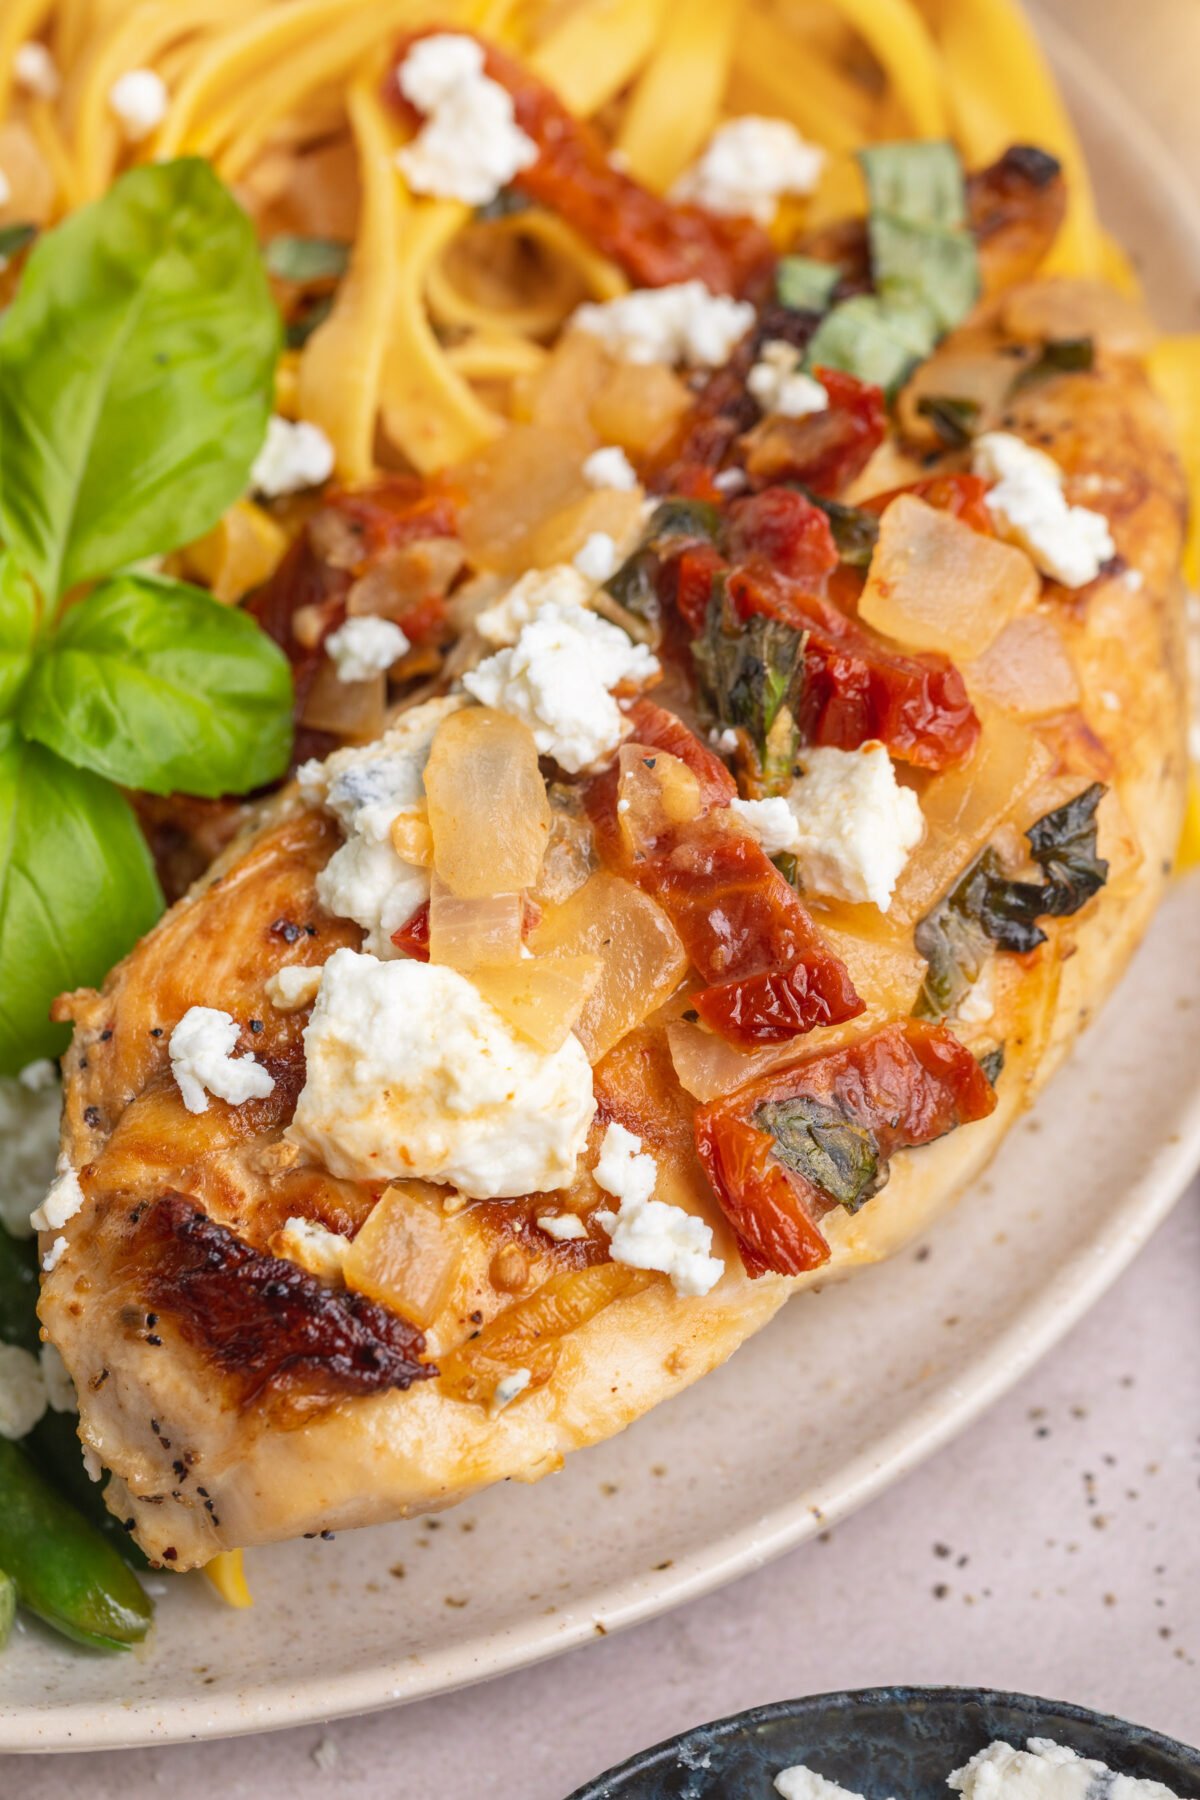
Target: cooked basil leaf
136, 373
876, 339
992, 1064
298, 330
855, 530
158, 686
1058, 356
13, 239
986, 904
302, 259
672, 523
508, 201
752, 672
814, 1139
77, 888
952, 418
18, 625
804, 284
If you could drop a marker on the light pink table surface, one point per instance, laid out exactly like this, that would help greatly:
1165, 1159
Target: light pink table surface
1054, 1548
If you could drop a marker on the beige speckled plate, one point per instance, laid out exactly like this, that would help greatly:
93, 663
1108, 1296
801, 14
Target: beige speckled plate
846, 1391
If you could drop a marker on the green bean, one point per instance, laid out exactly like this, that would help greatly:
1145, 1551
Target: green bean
64, 1570
18, 1292
8, 1607
54, 1445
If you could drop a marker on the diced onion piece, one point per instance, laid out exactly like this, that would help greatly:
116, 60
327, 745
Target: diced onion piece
708, 1066
639, 406
470, 934
488, 810
1027, 670
642, 960
655, 792
965, 806
936, 584
238, 554
401, 578
879, 952
971, 371
412, 838
512, 484
406, 1255
1073, 308
618, 514
349, 709
576, 370
541, 996
570, 854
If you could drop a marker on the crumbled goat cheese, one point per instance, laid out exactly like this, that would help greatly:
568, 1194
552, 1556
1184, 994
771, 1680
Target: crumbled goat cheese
772, 823
598, 558
562, 1227
501, 623
646, 1233
60, 1389
556, 679
470, 145
29, 1130
36, 71
139, 100
780, 385
725, 741
295, 455
54, 1255
202, 1061
321, 1251
730, 481
1045, 1770
365, 789
681, 323
62, 1202
294, 987
507, 1389
610, 468
365, 646
856, 824
747, 167
22, 1391
412, 1074
1069, 543
93, 1468
801, 1783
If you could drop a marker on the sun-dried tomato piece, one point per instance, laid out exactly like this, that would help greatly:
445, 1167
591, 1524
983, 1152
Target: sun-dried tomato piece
655, 241
413, 936
686, 582
827, 449
785, 529
781, 1003
962, 495
904, 1085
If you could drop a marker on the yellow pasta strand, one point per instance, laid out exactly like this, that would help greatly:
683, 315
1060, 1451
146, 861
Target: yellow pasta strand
227, 1573
19, 20
1173, 365
598, 50
901, 42
825, 106
677, 100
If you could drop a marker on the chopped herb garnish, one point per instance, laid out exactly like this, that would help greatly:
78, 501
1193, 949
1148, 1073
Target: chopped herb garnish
1058, 356
635, 584
992, 1064
815, 1140
804, 284
953, 419
988, 906
855, 530
303, 259
752, 671
508, 201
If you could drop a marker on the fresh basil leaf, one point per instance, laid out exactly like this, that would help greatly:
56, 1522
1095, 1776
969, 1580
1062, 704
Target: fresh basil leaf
13, 239
1058, 356
831, 1152
160, 687
876, 339
855, 530
18, 627
952, 418
302, 259
136, 372
987, 905
752, 673
77, 889
804, 284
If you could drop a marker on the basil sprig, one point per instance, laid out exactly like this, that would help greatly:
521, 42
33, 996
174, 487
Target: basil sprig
136, 374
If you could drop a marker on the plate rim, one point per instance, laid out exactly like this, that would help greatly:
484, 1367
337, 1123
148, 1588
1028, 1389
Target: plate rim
600, 1787
1040, 1324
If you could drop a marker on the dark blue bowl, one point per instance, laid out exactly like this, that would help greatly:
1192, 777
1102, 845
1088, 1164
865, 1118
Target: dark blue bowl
900, 1741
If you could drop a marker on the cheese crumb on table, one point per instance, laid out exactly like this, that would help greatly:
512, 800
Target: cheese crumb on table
651, 1234
202, 1061
856, 826
680, 323
139, 100
780, 384
295, 455
22, 1391
1069, 543
556, 679
771, 822
748, 166
609, 467
365, 646
469, 145
412, 1074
